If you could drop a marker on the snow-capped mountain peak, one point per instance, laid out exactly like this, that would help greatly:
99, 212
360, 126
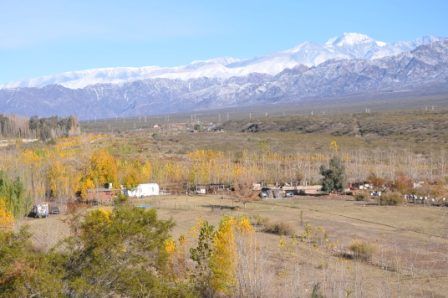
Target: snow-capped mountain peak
346, 46
423, 69
350, 39
219, 60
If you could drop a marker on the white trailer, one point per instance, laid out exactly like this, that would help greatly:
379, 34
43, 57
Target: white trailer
40, 210
144, 190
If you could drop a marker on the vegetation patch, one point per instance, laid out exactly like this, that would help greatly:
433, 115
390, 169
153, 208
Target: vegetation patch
361, 196
279, 228
361, 250
391, 199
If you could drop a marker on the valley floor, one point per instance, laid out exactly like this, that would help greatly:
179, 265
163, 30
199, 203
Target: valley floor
411, 243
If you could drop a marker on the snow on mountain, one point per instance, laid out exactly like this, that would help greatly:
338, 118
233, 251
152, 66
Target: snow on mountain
347, 46
424, 69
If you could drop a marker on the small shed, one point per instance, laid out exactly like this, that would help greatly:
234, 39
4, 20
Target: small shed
201, 190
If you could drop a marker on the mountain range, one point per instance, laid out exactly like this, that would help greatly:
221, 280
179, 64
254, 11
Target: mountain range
352, 64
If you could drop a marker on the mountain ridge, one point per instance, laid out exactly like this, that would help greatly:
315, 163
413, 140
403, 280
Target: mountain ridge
346, 46
424, 68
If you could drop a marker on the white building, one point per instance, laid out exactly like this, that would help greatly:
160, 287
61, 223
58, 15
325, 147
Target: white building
144, 190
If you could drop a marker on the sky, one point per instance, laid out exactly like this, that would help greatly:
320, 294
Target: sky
51, 36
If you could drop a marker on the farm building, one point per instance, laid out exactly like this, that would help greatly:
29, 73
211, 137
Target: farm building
213, 188
102, 195
272, 191
144, 190
216, 188
310, 189
201, 190
360, 186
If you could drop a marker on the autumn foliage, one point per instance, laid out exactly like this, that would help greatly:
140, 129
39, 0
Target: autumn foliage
102, 169
6, 218
216, 255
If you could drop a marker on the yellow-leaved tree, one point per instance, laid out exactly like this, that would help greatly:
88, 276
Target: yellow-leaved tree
6, 217
33, 160
223, 257
203, 164
218, 254
129, 173
134, 172
102, 169
177, 262
57, 180
146, 171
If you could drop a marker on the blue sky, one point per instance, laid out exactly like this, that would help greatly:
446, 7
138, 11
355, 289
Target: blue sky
49, 36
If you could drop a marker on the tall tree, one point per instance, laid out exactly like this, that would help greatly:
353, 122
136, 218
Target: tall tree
120, 253
103, 167
12, 193
333, 176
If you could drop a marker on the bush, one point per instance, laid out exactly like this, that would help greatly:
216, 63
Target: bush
317, 236
258, 220
402, 183
120, 199
361, 197
279, 228
375, 180
362, 250
391, 199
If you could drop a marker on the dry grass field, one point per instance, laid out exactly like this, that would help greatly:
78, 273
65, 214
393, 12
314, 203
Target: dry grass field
410, 243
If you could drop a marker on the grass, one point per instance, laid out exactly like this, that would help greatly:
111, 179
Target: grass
410, 241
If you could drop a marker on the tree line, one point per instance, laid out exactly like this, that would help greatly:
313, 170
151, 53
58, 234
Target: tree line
38, 128
65, 170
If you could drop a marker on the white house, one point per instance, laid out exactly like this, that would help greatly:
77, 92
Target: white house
144, 190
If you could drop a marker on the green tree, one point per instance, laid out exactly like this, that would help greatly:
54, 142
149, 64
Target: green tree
120, 253
24, 271
201, 256
334, 176
13, 194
